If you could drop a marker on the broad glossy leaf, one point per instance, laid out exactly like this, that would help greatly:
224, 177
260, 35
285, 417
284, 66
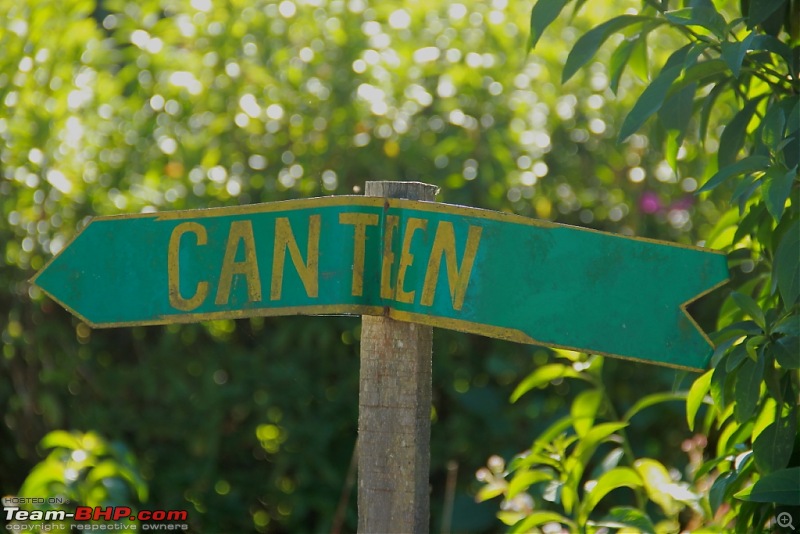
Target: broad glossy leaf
745, 165
657, 483
744, 191
760, 10
650, 101
747, 388
704, 16
733, 136
780, 487
787, 265
773, 447
542, 376
584, 409
675, 115
719, 380
771, 44
789, 325
538, 518
716, 494
544, 12
620, 58
522, 480
490, 491
777, 187
588, 444
733, 53
750, 307
755, 216
696, 395
786, 351
619, 477
625, 516
736, 357
772, 126
60, 438
652, 98
708, 106
588, 44
652, 400
510, 517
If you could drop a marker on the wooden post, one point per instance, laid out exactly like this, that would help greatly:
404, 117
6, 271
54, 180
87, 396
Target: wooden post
394, 410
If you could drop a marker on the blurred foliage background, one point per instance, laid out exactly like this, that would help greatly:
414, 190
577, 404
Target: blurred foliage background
115, 106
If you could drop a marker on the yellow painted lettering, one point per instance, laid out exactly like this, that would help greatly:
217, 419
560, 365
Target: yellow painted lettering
241, 231
308, 270
444, 245
407, 258
173, 268
360, 221
392, 221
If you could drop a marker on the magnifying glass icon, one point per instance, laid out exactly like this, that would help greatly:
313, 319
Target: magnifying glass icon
785, 520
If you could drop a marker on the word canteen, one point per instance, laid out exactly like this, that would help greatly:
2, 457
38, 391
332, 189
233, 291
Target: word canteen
466, 269
370, 237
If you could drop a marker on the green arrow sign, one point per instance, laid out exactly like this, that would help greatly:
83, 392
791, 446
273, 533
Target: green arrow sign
466, 269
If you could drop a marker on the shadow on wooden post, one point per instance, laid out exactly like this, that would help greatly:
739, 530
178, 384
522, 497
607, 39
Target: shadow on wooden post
394, 421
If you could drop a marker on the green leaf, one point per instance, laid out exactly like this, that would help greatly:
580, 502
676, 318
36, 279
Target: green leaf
755, 216
538, 518
772, 126
658, 484
780, 487
490, 491
719, 380
777, 188
697, 393
760, 10
745, 165
675, 115
60, 438
42, 477
733, 136
736, 357
620, 58
649, 102
652, 98
525, 479
773, 447
747, 186
545, 438
787, 265
544, 12
789, 325
733, 53
704, 16
542, 376
787, 352
747, 388
510, 517
716, 495
776, 46
708, 106
625, 516
619, 477
652, 400
750, 307
584, 409
588, 44
588, 444
703, 72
